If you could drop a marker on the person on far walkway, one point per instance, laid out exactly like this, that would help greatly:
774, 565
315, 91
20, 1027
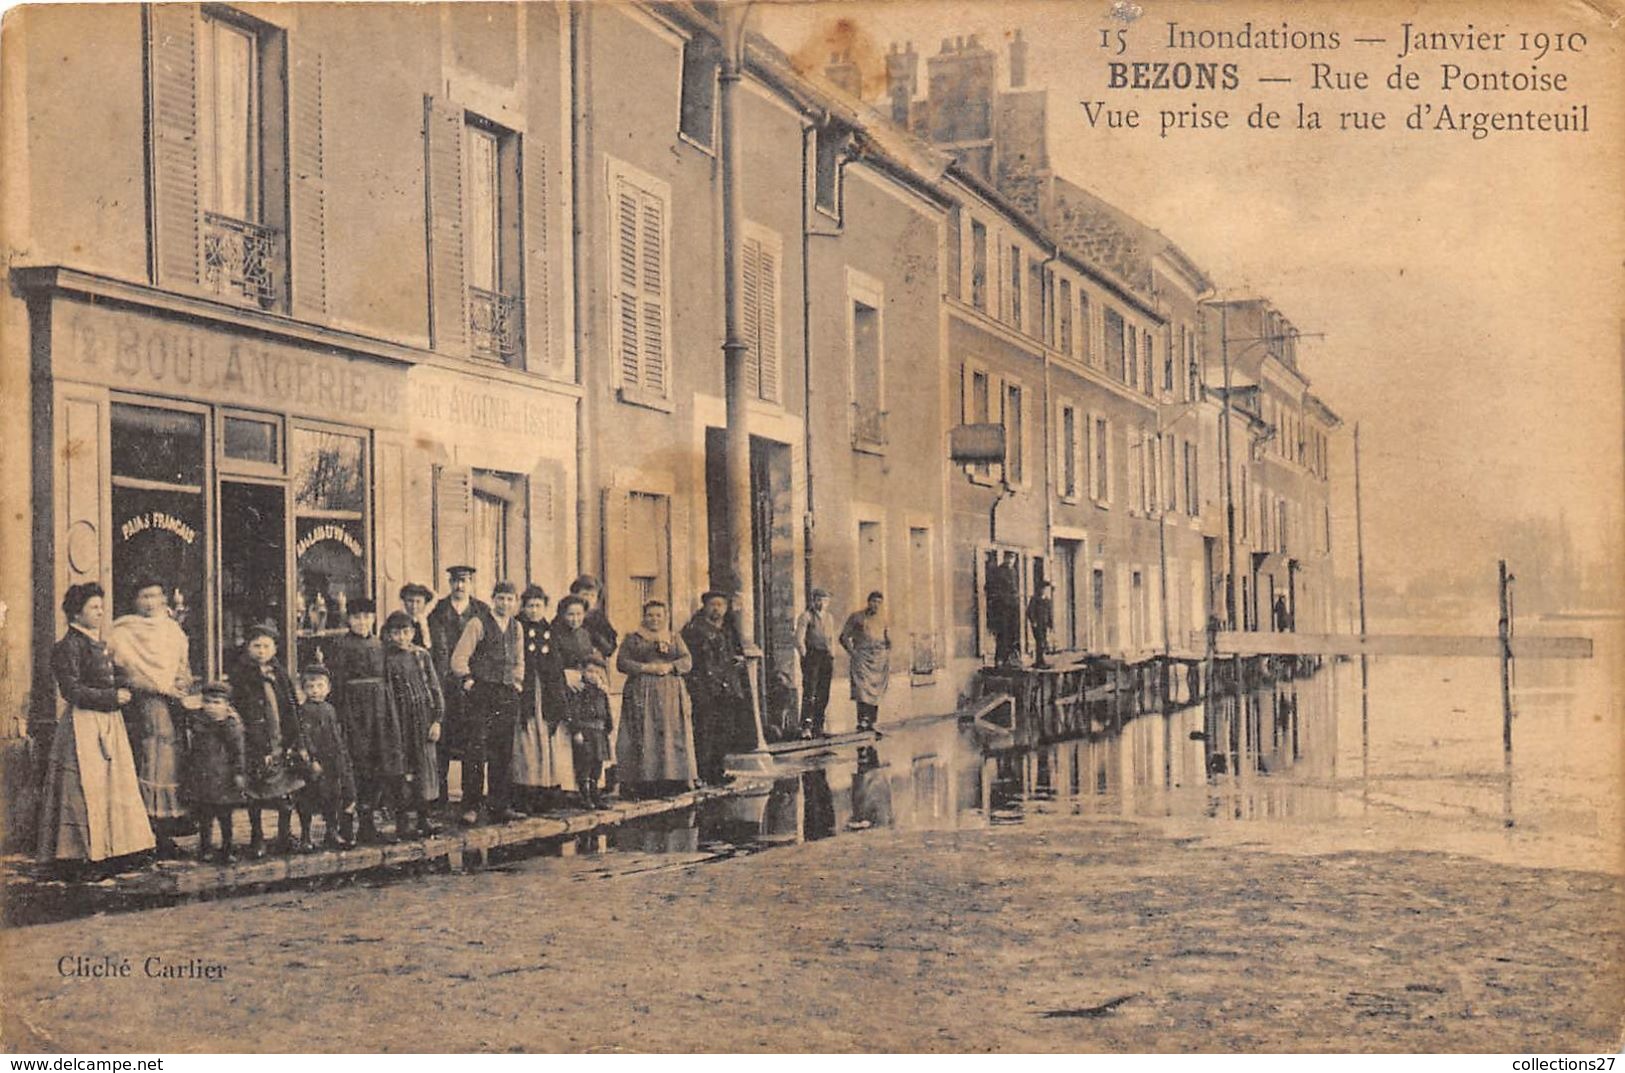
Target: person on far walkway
1041, 618
655, 748
150, 651
716, 685
867, 640
92, 808
815, 639
489, 662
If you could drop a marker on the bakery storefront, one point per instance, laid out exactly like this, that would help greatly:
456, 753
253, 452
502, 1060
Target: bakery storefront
262, 473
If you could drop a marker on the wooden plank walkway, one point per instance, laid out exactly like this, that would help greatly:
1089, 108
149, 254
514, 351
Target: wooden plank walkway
184, 878
1398, 644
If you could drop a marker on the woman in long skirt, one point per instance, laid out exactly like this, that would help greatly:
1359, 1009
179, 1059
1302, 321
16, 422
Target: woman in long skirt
655, 747
92, 808
543, 768
150, 651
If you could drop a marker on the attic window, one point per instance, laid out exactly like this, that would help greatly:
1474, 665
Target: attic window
698, 105
827, 174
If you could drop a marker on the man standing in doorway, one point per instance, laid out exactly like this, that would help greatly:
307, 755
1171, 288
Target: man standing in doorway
489, 661
716, 685
815, 633
867, 640
1041, 618
446, 624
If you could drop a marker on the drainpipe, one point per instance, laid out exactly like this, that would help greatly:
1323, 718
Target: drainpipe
580, 217
1048, 312
733, 355
809, 520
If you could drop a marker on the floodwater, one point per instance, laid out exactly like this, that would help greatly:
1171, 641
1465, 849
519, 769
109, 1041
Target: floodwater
1298, 766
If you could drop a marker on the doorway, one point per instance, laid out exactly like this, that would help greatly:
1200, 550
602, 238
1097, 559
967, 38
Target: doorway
1066, 593
253, 563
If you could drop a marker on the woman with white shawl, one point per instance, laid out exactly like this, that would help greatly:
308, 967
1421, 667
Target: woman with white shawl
151, 652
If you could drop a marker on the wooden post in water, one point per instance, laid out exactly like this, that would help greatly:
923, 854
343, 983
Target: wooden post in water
1504, 629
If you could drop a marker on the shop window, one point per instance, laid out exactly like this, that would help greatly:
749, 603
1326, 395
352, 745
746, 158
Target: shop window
329, 486
251, 443
159, 529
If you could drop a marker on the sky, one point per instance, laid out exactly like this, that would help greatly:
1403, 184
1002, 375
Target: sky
1469, 291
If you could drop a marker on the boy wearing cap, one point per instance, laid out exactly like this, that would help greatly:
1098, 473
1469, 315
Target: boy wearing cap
447, 621
815, 632
489, 662
216, 770
330, 780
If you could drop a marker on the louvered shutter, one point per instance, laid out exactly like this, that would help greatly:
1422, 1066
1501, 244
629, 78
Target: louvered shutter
626, 286
307, 154
453, 516
768, 328
617, 531
652, 269
751, 308
541, 353
448, 291
173, 33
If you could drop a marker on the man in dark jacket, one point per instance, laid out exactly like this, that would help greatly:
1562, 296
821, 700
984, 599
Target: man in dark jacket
716, 685
446, 623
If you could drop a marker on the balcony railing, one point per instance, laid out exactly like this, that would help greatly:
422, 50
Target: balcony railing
239, 259
495, 322
868, 426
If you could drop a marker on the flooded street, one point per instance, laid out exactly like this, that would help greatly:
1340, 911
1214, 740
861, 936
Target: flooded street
1256, 875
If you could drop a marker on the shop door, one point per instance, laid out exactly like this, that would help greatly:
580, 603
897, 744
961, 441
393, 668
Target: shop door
253, 562
1066, 593
159, 521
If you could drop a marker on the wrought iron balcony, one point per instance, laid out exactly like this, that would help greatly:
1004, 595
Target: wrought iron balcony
239, 259
868, 426
494, 324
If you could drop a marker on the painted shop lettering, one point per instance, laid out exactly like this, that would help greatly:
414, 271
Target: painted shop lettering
327, 532
157, 519
208, 364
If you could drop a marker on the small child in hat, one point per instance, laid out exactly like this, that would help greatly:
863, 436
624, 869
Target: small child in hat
330, 778
216, 773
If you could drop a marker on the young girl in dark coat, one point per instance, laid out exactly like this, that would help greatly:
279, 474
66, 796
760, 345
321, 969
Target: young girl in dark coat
330, 779
586, 696
215, 770
418, 707
263, 695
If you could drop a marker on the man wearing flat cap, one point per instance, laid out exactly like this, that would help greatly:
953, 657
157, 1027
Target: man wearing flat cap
716, 685
446, 624
815, 636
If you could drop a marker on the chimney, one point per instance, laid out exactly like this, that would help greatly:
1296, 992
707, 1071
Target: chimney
1018, 62
844, 73
902, 81
960, 91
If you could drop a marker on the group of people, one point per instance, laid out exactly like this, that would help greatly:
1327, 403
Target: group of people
516, 692
1002, 586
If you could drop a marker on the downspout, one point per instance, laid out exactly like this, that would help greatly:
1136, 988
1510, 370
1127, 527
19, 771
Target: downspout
1044, 333
580, 202
809, 520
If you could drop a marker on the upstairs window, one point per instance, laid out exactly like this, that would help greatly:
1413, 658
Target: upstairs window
1131, 356
1147, 354
1015, 287
868, 383
639, 324
1116, 333
978, 265
1168, 363
1064, 310
829, 150
1015, 435
229, 120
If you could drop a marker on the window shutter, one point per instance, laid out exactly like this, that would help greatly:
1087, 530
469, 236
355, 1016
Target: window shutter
547, 522
617, 526
626, 286
453, 516
307, 224
653, 299
751, 308
448, 292
769, 270
538, 313
172, 33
